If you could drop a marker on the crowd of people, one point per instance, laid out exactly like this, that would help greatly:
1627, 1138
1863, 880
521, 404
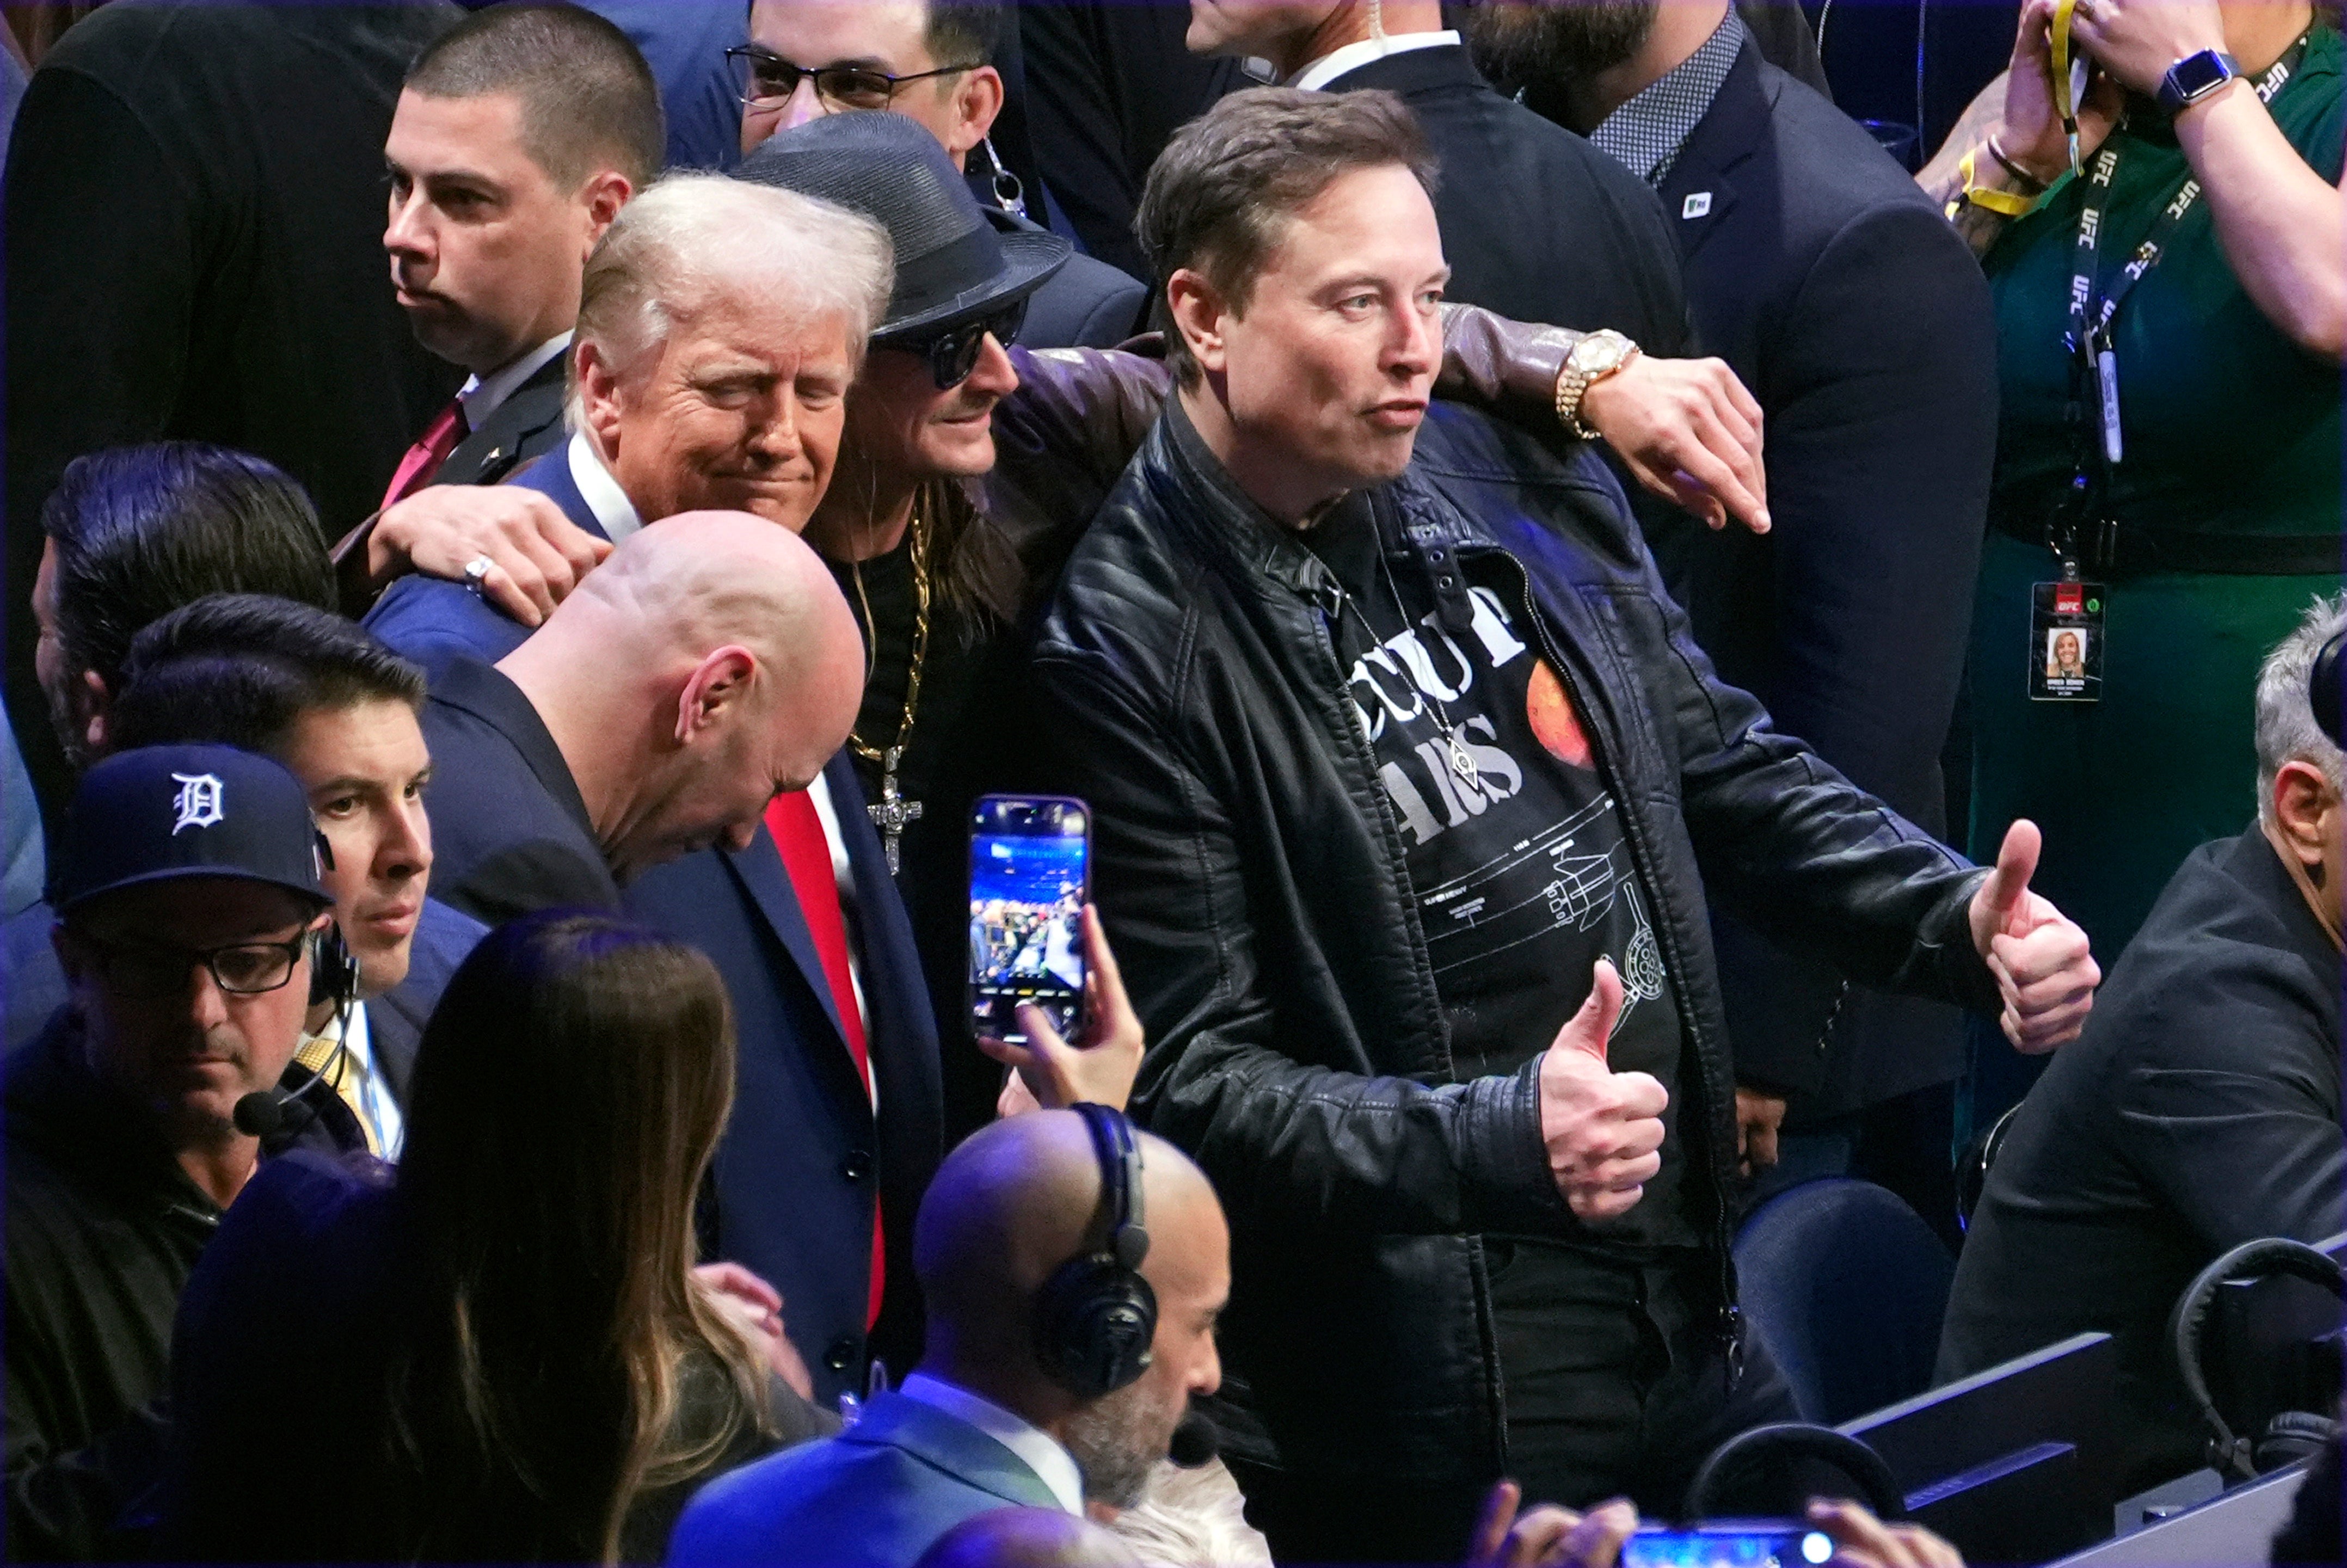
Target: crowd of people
1621, 652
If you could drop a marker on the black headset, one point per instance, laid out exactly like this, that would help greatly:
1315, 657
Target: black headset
333, 972
2322, 688
2292, 1435
1748, 1457
1096, 1318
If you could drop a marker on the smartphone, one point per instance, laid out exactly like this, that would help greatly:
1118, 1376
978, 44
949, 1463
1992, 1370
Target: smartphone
1030, 878
1738, 1543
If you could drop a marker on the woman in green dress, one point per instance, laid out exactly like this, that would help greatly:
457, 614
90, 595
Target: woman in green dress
2220, 517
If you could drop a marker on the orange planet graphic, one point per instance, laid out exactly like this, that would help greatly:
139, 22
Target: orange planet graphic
1552, 718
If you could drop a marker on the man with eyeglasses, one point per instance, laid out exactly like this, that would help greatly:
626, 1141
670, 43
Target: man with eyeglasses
188, 902
934, 65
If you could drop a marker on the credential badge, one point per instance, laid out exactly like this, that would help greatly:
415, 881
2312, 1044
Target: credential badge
198, 802
1696, 206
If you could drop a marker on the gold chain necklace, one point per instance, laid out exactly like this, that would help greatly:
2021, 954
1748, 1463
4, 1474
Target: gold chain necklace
892, 811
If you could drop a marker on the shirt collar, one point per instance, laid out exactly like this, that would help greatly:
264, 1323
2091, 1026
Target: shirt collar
1645, 134
1039, 1449
482, 395
1353, 56
612, 510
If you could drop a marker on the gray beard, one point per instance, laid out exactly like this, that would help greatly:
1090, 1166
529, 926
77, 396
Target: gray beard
1118, 1440
1556, 43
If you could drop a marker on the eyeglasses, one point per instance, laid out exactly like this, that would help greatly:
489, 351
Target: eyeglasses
765, 80
953, 353
147, 971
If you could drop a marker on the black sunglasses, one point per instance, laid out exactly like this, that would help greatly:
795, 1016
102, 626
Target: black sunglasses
765, 80
953, 353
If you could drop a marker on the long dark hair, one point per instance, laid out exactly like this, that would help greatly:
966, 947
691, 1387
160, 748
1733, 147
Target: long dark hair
567, 1097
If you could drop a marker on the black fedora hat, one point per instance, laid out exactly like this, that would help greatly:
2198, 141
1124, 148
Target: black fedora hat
951, 264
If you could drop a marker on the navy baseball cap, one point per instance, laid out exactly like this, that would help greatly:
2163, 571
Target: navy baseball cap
160, 812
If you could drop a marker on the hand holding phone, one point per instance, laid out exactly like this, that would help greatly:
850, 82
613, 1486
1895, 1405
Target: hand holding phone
1030, 879
1098, 1065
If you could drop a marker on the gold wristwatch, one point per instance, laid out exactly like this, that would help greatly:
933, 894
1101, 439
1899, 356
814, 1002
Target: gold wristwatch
1593, 359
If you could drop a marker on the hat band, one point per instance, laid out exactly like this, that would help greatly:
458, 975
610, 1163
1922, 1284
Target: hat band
939, 278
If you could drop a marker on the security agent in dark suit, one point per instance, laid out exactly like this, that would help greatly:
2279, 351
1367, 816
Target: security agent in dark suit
2201, 1108
1864, 328
934, 65
518, 139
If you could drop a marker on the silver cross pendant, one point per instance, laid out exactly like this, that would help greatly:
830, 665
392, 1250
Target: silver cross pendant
892, 812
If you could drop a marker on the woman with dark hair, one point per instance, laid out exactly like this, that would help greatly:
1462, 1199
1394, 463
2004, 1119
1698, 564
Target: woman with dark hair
502, 1352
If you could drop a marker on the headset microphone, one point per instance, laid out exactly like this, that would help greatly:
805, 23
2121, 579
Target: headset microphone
1195, 1443
273, 1115
277, 1116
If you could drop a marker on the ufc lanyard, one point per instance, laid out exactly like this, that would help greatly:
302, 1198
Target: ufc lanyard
2088, 339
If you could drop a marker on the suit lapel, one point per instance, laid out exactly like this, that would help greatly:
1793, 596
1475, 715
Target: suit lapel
490, 453
758, 870
954, 1446
1701, 190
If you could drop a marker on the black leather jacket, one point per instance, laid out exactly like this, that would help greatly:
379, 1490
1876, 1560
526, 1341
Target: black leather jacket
1253, 884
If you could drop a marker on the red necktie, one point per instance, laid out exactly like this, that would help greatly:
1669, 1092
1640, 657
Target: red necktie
807, 856
424, 459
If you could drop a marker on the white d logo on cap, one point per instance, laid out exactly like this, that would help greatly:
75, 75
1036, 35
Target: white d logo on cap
198, 802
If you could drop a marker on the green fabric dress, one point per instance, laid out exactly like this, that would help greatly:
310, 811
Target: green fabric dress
2230, 428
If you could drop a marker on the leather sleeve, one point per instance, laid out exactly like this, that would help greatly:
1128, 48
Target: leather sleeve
1289, 1141
1789, 845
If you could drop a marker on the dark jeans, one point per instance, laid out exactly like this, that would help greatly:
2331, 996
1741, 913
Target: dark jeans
1616, 1386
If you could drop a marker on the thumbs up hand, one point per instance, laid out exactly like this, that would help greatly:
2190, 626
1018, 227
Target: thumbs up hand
1603, 1129
2040, 958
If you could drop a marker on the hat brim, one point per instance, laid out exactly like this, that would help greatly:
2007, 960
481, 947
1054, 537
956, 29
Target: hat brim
1030, 257
314, 895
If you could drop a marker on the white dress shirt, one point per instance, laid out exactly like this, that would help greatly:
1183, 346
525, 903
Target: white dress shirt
370, 1090
480, 396
1353, 56
613, 511
1039, 1449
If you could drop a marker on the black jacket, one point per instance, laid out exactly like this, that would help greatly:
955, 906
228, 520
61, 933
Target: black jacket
1085, 304
510, 832
2200, 1109
103, 1230
1832, 286
1253, 884
528, 423
1537, 223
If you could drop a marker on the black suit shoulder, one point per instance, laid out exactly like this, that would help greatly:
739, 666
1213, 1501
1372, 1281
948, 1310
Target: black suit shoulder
1537, 223
1087, 303
527, 425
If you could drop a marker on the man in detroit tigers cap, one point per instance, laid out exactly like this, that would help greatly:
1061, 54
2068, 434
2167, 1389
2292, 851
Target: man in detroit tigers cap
187, 891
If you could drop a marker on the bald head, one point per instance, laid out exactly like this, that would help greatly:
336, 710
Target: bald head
1027, 1538
708, 663
1021, 1197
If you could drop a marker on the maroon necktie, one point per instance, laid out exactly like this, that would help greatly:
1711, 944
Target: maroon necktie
423, 459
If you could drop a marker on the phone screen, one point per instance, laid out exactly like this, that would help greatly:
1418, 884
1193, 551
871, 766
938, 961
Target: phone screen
1759, 1545
1030, 875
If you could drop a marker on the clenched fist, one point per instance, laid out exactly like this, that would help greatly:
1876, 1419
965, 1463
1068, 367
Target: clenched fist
1603, 1129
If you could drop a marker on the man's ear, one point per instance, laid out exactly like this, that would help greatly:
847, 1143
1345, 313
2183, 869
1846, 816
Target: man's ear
606, 191
91, 701
1198, 311
598, 395
2302, 803
720, 681
977, 101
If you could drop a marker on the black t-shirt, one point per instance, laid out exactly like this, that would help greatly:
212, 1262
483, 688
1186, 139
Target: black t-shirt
1515, 849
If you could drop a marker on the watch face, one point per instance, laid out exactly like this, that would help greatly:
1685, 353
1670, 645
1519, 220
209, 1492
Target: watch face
1597, 354
2197, 73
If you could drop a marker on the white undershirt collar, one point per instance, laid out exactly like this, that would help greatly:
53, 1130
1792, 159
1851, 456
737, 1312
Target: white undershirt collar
1041, 1450
612, 510
1353, 56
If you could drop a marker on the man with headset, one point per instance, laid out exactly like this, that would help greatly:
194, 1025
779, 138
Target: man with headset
1074, 1268
2201, 1107
189, 918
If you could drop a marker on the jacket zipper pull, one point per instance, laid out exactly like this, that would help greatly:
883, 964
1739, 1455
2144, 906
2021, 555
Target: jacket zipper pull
1731, 1336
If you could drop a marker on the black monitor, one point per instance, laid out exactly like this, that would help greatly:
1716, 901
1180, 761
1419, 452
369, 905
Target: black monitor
2014, 1464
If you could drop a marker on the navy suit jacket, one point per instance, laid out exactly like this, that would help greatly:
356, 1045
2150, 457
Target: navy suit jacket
444, 938
877, 1495
1832, 286
435, 622
1087, 303
510, 834
791, 1196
